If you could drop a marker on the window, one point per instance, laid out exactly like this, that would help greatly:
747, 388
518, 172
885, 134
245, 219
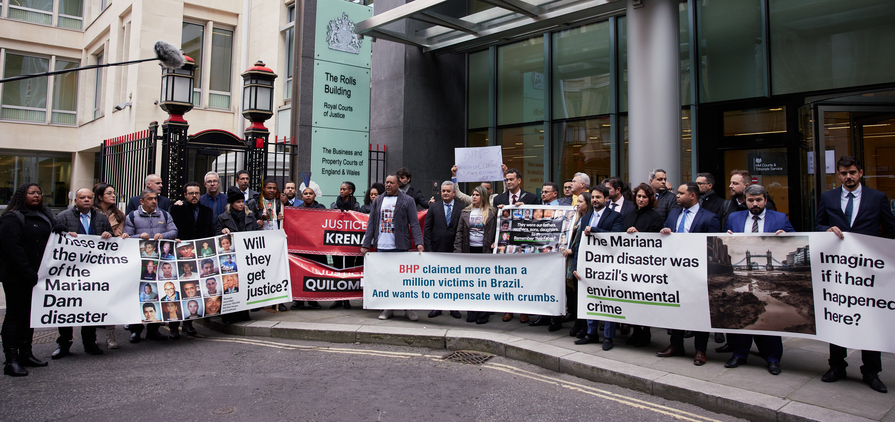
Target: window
217, 66
51, 171
221, 63
520, 82
65, 94
289, 33
66, 13
25, 99
191, 43
98, 89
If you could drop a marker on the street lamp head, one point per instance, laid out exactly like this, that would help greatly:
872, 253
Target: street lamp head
177, 89
257, 93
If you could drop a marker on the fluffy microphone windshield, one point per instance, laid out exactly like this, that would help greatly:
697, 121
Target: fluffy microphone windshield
170, 56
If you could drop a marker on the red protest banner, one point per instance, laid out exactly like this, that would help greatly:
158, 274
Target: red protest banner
327, 232
315, 281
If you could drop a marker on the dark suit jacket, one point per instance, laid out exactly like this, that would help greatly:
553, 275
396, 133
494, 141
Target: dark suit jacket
610, 221
438, 236
527, 198
418, 197
712, 202
874, 216
666, 202
704, 222
774, 221
187, 228
134, 203
70, 221
645, 220
627, 208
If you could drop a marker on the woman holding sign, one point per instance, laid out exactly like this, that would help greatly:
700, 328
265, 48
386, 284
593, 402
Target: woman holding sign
105, 201
346, 202
584, 207
645, 220
236, 218
25, 227
475, 234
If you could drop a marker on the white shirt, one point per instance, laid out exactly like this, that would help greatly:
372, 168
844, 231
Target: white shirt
691, 214
618, 204
387, 223
856, 202
747, 227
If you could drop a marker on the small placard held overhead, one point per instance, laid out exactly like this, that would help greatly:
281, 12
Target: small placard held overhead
481, 164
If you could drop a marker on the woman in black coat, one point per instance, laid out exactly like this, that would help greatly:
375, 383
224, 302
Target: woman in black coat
475, 234
647, 220
375, 190
236, 218
25, 227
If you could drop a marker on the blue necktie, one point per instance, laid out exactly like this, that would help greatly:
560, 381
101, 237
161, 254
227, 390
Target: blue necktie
682, 228
85, 221
850, 208
448, 214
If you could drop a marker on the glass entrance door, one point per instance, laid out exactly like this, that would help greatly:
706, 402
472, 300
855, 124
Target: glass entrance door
769, 167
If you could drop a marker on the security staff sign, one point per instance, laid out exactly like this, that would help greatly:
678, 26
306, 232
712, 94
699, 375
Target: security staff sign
810, 285
87, 280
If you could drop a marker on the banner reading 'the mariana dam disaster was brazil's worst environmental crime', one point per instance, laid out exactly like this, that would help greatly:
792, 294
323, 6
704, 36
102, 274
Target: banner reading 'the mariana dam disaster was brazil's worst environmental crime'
87, 280
810, 285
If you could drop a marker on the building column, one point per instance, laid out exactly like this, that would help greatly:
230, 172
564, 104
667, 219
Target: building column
654, 98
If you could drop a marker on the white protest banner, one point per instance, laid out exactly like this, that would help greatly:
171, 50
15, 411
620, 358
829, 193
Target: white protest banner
86, 280
533, 284
810, 285
479, 164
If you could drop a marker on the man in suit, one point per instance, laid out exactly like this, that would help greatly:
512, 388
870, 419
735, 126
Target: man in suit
288, 195
81, 219
153, 183
617, 201
393, 221
689, 218
665, 198
708, 199
566, 193
403, 174
549, 196
514, 196
441, 228
854, 208
242, 183
193, 221
600, 220
213, 198
757, 219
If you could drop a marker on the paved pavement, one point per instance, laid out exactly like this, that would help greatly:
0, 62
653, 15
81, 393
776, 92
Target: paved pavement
748, 391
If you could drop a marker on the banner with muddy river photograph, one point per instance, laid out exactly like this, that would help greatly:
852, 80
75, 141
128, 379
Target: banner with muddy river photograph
811, 285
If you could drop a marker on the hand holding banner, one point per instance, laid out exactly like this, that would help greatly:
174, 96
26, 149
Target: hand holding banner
481, 164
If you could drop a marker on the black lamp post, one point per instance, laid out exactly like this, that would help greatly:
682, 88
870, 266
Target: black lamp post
176, 99
257, 106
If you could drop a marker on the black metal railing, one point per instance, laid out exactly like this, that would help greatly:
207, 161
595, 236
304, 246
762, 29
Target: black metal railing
127, 159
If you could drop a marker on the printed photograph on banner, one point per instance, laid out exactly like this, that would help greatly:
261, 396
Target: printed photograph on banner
231, 283
212, 287
148, 292
167, 272
207, 248
761, 283
186, 250
149, 269
171, 311
170, 292
212, 306
208, 267
227, 264
166, 250
188, 270
149, 249
190, 289
226, 244
195, 308
150, 312
534, 229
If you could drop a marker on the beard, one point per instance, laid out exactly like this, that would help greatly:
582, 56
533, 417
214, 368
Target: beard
756, 210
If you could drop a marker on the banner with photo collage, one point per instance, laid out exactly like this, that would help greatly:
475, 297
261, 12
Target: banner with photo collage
534, 229
86, 280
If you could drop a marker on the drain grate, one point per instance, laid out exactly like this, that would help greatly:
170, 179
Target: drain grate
467, 357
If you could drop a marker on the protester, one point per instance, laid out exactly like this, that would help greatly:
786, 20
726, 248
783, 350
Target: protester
440, 228
665, 198
566, 193
346, 202
393, 221
584, 207
149, 222
373, 192
475, 234
617, 201
644, 220
154, 183
403, 174
194, 220
81, 219
105, 201
515, 196
25, 227
309, 190
242, 185
288, 195
267, 207
236, 218
213, 198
